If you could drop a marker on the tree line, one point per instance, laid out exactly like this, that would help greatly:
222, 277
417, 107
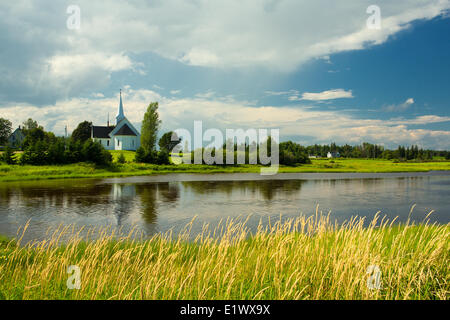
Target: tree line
290, 153
41, 147
372, 151
44, 148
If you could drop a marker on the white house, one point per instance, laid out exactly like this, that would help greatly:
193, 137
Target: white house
122, 136
333, 155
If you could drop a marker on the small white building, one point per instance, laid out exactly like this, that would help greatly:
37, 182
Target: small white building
333, 155
122, 136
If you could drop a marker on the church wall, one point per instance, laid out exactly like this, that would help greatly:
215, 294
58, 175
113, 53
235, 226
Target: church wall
126, 142
104, 143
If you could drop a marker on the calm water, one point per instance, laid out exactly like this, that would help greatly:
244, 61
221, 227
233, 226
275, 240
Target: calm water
159, 203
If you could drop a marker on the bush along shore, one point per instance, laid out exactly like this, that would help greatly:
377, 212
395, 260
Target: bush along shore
301, 258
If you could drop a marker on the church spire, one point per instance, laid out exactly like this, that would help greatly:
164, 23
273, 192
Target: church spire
120, 114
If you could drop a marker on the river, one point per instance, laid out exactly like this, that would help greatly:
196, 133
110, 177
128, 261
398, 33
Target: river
155, 204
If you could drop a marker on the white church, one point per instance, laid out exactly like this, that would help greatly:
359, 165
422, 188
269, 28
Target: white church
122, 136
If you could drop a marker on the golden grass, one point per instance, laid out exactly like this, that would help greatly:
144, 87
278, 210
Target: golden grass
301, 258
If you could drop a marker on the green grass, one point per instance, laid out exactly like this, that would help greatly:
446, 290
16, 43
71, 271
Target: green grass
303, 258
129, 155
85, 170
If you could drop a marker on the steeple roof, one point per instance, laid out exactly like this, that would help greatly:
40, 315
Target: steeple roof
120, 115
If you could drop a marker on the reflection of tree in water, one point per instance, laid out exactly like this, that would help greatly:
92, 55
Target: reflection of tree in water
123, 196
56, 193
149, 195
267, 188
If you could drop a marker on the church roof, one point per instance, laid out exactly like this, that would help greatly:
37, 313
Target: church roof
125, 131
120, 115
101, 132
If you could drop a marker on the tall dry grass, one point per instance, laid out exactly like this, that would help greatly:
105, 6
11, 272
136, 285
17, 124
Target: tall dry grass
301, 258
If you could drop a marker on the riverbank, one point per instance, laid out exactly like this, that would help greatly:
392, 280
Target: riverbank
84, 170
305, 258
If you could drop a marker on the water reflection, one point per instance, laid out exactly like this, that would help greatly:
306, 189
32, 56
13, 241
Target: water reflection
151, 195
268, 189
157, 206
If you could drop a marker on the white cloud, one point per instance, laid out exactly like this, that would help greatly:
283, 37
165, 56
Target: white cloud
41, 61
62, 66
324, 95
281, 93
401, 107
206, 95
279, 35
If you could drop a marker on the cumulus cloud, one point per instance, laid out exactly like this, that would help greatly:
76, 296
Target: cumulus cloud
42, 61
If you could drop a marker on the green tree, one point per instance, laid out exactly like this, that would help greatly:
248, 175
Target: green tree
8, 156
146, 157
83, 131
35, 153
150, 126
5, 130
56, 151
292, 153
29, 125
121, 159
163, 157
140, 155
94, 152
33, 136
168, 141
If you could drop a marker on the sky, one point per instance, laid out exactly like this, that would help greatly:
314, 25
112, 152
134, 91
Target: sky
320, 71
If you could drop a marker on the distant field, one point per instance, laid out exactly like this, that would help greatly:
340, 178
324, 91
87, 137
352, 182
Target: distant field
85, 170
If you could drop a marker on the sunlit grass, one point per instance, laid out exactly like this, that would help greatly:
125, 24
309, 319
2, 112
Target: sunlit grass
85, 170
129, 155
302, 258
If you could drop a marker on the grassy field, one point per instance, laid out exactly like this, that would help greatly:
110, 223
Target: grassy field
303, 258
84, 170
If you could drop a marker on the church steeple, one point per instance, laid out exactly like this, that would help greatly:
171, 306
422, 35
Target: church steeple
120, 114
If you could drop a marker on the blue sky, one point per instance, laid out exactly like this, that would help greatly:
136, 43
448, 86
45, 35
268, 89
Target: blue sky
312, 69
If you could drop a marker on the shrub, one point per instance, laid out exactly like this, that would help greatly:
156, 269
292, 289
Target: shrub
292, 153
163, 157
56, 153
140, 155
61, 151
8, 156
121, 159
94, 152
146, 157
35, 154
